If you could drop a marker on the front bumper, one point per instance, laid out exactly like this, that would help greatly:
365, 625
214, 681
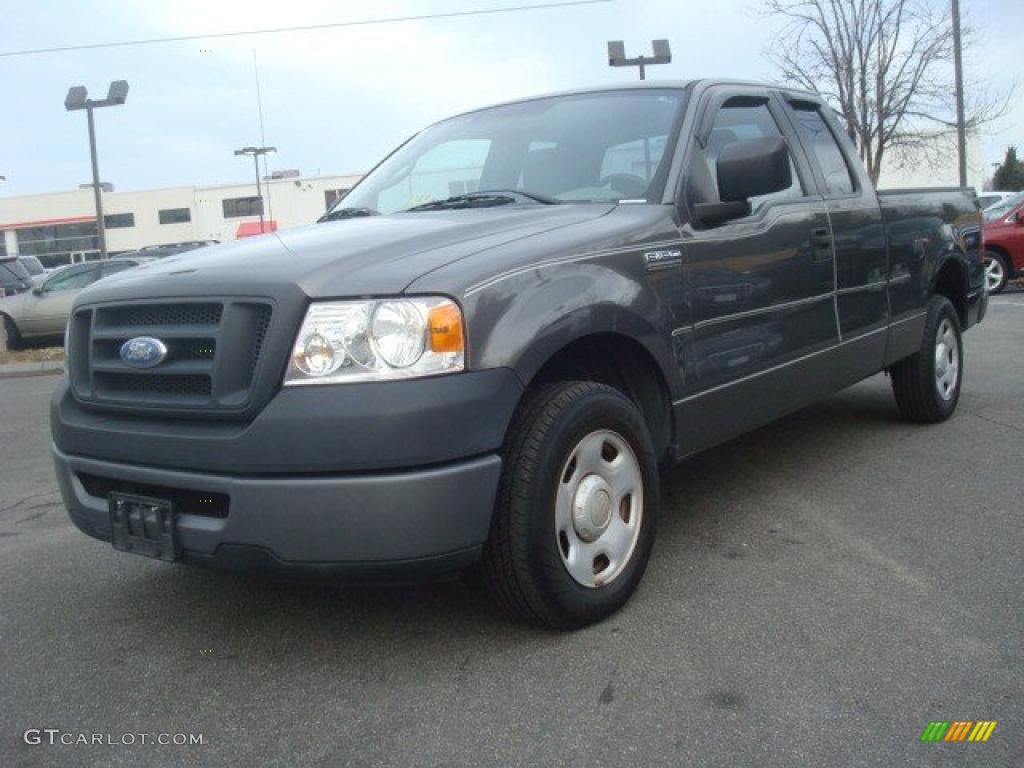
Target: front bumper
394, 525
395, 478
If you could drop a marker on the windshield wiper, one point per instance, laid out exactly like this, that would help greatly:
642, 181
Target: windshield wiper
484, 199
347, 213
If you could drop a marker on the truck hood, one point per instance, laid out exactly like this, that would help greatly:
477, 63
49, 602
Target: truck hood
377, 255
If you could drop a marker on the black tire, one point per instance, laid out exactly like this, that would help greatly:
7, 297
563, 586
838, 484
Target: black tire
914, 379
522, 565
995, 256
14, 339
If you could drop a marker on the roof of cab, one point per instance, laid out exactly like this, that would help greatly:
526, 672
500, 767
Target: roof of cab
647, 84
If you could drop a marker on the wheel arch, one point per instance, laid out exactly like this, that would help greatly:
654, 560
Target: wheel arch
621, 361
5, 317
952, 282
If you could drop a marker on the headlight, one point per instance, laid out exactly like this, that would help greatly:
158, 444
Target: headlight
377, 340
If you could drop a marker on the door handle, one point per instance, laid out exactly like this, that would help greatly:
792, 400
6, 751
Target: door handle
821, 237
821, 245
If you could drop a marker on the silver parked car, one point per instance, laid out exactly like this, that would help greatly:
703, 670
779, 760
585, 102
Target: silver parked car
35, 269
42, 313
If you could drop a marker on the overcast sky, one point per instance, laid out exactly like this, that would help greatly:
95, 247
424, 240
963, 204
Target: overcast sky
334, 101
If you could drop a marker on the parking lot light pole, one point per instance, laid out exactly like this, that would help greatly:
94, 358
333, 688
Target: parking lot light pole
617, 56
256, 153
77, 99
958, 75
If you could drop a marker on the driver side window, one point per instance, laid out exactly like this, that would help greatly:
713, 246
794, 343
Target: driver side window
743, 122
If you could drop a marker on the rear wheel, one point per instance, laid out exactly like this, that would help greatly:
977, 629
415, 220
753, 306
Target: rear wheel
574, 523
14, 339
997, 271
927, 384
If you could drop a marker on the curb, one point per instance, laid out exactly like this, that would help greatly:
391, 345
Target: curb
24, 370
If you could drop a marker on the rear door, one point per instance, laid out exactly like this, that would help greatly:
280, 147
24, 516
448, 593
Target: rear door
858, 232
761, 287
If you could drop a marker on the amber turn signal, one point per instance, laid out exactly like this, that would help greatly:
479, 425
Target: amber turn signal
445, 321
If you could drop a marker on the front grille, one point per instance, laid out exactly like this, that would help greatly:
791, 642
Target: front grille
214, 349
114, 384
164, 314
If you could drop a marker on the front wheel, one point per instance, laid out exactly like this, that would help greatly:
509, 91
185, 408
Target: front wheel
997, 271
927, 384
574, 524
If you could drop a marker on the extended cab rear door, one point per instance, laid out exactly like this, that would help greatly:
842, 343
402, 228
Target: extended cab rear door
858, 234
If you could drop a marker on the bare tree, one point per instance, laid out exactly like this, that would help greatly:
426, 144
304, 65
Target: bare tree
886, 66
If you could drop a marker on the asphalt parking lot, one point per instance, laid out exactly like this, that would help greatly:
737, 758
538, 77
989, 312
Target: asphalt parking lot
821, 590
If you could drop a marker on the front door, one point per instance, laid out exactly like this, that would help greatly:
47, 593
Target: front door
762, 287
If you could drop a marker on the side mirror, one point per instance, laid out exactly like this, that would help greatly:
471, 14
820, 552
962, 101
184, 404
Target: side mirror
753, 168
37, 291
1019, 217
747, 169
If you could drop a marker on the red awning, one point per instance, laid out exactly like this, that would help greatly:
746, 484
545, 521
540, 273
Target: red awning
250, 228
47, 222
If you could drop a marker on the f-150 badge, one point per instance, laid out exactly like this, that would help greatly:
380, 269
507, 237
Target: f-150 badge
656, 260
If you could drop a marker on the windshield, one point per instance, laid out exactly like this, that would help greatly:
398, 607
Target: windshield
580, 148
999, 211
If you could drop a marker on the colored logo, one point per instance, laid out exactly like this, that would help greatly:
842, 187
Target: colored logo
958, 730
143, 352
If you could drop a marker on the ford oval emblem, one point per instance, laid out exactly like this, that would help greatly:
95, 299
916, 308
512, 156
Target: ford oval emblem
143, 352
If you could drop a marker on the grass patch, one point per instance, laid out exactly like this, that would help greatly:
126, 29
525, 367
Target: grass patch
41, 355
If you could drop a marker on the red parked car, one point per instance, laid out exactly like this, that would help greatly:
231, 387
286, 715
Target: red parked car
1004, 242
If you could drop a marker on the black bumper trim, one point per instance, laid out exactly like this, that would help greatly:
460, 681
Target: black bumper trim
350, 519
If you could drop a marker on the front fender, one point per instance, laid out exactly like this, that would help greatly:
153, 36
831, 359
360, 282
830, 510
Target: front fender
523, 320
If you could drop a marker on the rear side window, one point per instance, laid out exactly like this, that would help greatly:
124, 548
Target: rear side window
815, 133
12, 273
111, 267
32, 265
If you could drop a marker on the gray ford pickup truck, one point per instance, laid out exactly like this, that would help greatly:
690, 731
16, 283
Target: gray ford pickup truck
489, 348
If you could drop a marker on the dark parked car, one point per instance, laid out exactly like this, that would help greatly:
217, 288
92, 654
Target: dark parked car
492, 344
41, 314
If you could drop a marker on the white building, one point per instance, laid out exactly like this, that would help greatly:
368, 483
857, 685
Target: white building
60, 226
